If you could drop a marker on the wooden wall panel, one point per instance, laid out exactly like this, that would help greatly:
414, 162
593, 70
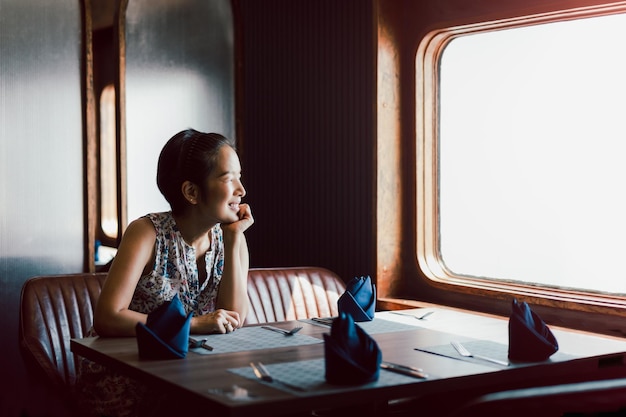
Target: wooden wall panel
308, 149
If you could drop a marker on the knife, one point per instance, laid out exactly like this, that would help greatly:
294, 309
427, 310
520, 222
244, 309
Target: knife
404, 370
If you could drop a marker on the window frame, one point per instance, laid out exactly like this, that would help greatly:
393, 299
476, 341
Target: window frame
429, 257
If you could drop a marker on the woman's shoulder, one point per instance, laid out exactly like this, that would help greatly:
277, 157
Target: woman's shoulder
158, 216
140, 226
152, 222
160, 220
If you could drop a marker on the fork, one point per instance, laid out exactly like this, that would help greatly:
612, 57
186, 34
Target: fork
420, 317
283, 331
464, 352
263, 374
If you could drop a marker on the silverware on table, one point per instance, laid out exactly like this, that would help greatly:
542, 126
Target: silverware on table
262, 373
326, 321
283, 331
420, 317
404, 369
193, 344
462, 350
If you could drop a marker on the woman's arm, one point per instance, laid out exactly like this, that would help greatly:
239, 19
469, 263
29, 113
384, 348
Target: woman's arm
112, 316
233, 292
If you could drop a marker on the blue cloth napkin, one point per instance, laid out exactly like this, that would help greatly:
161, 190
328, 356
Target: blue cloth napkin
351, 356
530, 339
166, 332
359, 299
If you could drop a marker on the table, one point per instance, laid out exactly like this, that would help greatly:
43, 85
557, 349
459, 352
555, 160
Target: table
223, 382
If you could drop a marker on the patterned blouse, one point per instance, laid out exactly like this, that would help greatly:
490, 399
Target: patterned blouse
175, 270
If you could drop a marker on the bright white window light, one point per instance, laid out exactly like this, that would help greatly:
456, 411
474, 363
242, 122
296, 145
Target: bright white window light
532, 154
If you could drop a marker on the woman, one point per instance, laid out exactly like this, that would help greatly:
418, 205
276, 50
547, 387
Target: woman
197, 250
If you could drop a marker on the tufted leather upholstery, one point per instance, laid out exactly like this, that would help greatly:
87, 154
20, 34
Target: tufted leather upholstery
280, 294
53, 310
57, 308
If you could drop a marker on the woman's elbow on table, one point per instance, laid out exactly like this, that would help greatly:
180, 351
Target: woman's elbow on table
116, 324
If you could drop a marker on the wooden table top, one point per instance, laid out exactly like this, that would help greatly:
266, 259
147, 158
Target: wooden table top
219, 381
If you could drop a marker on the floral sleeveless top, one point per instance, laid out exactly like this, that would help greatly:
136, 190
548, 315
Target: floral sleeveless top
175, 270
106, 392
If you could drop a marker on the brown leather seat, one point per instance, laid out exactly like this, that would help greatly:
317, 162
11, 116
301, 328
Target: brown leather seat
53, 310
605, 397
279, 294
57, 308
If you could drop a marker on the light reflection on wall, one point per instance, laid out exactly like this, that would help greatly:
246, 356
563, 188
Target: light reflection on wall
179, 74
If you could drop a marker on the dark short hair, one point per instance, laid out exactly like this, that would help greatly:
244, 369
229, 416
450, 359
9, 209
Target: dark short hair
188, 156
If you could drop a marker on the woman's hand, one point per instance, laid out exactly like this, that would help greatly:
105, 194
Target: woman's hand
245, 221
219, 321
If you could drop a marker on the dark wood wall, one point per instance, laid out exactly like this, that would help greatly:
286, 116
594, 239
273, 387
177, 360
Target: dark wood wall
307, 132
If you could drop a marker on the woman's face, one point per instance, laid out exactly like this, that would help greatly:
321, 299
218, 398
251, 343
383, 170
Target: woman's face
223, 189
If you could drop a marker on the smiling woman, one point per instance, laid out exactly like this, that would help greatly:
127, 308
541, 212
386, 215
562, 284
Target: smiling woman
196, 254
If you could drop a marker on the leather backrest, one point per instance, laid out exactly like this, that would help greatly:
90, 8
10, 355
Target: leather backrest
279, 294
53, 310
57, 308
605, 397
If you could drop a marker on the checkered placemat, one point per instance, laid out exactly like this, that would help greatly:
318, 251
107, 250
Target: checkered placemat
251, 338
375, 326
309, 375
486, 348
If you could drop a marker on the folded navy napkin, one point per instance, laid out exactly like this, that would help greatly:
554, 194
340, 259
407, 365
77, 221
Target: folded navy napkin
351, 356
166, 332
359, 299
530, 339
